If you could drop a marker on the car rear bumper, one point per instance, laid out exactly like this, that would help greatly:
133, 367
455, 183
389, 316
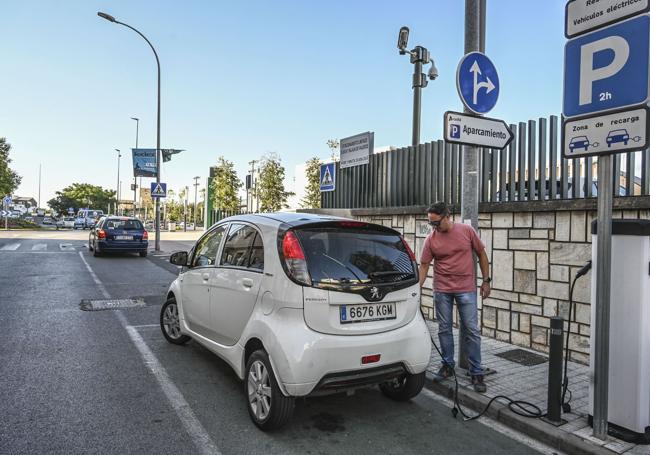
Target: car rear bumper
308, 362
123, 246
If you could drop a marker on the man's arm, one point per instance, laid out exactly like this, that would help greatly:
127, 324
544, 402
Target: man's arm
423, 269
484, 264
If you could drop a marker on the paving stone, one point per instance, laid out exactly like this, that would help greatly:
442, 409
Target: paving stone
500, 239
542, 266
528, 245
559, 273
502, 267
563, 226
524, 323
524, 281
519, 233
523, 219
525, 260
539, 234
578, 226
502, 220
503, 320
553, 289
569, 253
544, 220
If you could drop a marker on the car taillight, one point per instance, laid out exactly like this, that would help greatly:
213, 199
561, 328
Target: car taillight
145, 235
101, 234
352, 224
408, 248
294, 258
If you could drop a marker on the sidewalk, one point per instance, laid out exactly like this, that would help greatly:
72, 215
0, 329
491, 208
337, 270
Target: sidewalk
529, 383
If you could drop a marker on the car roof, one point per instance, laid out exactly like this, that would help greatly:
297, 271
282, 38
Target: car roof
579, 138
290, 218
614, 131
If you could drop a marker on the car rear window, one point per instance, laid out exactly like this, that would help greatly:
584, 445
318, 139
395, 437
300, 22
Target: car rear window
355, 256
127, 225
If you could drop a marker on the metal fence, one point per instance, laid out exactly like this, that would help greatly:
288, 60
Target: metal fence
530, 168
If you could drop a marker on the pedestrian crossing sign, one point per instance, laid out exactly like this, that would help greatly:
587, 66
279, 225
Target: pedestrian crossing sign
158, 189
327, 177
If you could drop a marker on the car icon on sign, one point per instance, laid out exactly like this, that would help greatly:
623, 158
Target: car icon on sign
617, 136
579, 142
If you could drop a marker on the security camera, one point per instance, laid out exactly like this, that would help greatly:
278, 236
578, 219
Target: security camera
402, 40
433, 71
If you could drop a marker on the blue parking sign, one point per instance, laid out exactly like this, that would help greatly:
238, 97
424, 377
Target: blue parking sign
327, 177
607, 69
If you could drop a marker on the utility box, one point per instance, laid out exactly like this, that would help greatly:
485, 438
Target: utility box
629, 330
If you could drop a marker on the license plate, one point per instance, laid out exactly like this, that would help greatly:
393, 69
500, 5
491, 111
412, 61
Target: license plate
123, 237
365, 313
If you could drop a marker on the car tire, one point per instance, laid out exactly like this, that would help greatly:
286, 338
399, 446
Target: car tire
90, 245
404, 388
96, 251
143, 254
170, 323
267, 406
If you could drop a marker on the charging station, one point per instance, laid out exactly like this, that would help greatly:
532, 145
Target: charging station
629, 331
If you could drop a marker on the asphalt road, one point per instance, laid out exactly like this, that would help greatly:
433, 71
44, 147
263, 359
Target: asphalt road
74, 381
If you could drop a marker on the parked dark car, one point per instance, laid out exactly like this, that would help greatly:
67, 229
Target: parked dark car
119, 234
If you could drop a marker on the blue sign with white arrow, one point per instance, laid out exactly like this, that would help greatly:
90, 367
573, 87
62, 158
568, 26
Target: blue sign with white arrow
607, 69
327, 177
477, 82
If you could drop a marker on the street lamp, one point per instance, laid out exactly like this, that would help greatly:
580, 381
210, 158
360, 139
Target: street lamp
419, 56
135, 179
196, 185
117, 190
110, 18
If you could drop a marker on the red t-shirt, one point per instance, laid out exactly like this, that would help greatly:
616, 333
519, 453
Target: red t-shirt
454, 266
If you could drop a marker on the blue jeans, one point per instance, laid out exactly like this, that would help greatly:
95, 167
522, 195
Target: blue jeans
466, 302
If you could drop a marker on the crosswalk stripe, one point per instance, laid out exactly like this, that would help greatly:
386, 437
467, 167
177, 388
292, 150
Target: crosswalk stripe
39, 247
11, 247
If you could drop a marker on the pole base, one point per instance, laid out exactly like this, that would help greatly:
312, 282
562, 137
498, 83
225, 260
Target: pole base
553, 422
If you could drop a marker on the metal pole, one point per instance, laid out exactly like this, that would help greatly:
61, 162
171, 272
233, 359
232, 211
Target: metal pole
554, 396
196, 187
117, 189
474, 39
185, 210
603, 279
38, 204
417, 99
135, 179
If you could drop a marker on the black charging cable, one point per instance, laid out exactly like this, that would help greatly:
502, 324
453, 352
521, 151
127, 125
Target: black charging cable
566, 406
519, 407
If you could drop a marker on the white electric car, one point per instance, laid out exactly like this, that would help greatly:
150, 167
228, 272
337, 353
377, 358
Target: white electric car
302, 304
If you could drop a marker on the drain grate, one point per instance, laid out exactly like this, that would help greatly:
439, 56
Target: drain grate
522, 357
110, 304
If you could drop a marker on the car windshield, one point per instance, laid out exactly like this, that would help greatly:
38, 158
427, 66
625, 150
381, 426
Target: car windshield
579, 139
127, 225
355, 256
617, 132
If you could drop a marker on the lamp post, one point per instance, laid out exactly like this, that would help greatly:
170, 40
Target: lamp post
117, 189
419, 56
196, 186
135, 179
110, 18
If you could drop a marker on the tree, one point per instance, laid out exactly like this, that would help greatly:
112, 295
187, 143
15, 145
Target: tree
9, 180
225, 186
312, 192
270, 187
82, 195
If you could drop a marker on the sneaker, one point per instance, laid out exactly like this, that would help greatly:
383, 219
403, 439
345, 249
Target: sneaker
479, 385
443, 373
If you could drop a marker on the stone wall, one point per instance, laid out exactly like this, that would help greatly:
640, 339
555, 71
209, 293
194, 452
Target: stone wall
533, 258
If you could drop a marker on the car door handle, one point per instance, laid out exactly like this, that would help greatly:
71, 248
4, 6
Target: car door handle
247, 283
205, 276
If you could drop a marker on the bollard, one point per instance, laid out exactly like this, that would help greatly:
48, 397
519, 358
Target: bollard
554, 403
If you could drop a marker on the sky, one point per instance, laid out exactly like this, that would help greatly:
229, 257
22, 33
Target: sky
244, 79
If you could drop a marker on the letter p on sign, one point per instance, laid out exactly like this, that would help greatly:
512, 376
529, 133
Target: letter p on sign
589, 74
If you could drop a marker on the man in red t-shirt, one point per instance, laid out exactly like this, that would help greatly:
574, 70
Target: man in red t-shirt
452, 246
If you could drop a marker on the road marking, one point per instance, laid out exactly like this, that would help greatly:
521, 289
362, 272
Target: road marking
11, 247
39, 247
499, 427
146, 326
197, 432
66, 247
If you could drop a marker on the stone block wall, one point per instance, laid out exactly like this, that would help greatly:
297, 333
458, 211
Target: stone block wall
534, 257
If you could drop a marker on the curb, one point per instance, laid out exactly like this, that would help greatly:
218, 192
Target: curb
535, 428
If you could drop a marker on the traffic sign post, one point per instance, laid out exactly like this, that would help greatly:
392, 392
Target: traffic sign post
606, 89
469, 129
158, 190
327, 177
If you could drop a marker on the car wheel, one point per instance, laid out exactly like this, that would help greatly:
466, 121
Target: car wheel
404, 388
143, 254
96, 251
170, 323
268, 407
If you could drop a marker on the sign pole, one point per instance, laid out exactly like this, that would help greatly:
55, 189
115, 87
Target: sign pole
474, 18
603, 279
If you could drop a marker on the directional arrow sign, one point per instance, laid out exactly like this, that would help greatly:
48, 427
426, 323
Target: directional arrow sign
474, 130
158, 189
477, 82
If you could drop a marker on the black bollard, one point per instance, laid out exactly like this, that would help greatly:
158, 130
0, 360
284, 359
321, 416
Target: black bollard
554, 404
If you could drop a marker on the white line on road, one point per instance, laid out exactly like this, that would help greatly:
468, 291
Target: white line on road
197, 432
39, 247
11, 247
146, 326
499, 427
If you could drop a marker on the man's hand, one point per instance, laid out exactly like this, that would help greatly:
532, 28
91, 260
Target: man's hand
485, 290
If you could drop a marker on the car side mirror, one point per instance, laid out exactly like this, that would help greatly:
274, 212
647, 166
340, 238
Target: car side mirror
178, 258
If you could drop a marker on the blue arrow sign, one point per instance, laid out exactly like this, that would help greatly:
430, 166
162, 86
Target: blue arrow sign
327, 177
7, 200
607, 69
158, 189
477, 82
